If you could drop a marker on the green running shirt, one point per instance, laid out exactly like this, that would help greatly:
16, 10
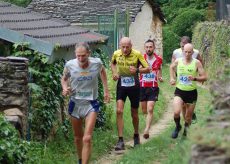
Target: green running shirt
183, 71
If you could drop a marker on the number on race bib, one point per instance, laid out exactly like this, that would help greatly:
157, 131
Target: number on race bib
127, 81
148, 77
185, 80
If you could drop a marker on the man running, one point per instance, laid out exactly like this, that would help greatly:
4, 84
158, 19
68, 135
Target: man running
149, 84
125, 68
178, 53
82, 75
188, 70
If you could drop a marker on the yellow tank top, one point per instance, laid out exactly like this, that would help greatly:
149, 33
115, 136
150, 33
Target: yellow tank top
183, 71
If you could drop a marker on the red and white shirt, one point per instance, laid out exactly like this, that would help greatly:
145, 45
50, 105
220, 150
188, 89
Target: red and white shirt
150, 79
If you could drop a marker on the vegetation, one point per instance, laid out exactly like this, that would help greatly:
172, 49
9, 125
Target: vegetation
22, 3
45, 88
182, 16
12, 149
212, 39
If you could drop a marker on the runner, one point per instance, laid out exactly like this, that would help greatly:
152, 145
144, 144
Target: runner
82, 74
149, 84
188, 70
178, 53
125, 68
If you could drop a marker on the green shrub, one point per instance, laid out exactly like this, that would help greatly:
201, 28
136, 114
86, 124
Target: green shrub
170, 42
12, 149
105, 114
23, 3
184, 23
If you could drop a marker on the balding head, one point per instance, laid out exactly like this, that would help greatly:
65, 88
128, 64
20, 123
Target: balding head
188, 46
125, 40
188, 51
125, 45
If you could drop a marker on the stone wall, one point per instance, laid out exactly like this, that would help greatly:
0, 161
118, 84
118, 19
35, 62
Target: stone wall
213, 137
14, 90
215, 148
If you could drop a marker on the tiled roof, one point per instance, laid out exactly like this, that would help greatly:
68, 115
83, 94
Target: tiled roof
44, 27
74, 10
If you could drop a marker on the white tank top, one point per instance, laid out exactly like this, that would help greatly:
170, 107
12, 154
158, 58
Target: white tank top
178, 53
84, 82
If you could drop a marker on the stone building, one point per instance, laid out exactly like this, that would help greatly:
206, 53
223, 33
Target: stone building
146, 17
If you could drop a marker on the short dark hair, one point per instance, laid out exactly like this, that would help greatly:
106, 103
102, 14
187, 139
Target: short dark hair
85, 45
187, 38
150, 41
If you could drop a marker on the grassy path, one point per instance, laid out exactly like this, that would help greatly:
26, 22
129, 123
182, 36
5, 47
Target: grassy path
160, 148
155, 130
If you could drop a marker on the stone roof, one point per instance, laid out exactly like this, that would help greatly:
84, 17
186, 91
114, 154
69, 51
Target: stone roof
74, 10
43, 27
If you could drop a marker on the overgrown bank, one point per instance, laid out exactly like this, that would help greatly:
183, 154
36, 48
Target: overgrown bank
213, 41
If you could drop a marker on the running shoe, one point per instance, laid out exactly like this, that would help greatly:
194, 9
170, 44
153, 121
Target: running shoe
120, 146
194, 118
136, 139
176, 132
146, 136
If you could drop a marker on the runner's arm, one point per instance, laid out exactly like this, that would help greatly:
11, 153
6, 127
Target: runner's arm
173, 58
172, 69
160, 74
114, 71
199, 57
202, 74
64, 82
104, 80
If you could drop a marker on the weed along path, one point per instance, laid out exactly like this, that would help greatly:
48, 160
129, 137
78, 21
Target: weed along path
156, 129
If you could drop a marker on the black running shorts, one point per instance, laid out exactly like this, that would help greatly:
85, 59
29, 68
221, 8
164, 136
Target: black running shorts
149, 93
133, 93
189, 97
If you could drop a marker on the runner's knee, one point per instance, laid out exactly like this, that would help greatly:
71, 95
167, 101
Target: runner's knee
119, 111
87, 138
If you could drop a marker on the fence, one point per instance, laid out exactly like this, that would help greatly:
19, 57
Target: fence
115, 25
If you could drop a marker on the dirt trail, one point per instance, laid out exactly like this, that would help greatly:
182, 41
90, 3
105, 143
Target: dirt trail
155, 130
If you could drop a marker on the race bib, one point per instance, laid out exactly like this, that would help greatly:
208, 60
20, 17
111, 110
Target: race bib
84, 94
184, 80
127, 81
148, 77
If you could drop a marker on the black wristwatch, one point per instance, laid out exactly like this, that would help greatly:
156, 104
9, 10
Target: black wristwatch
195, 79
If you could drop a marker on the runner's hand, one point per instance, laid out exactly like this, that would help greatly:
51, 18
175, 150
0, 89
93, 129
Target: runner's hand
66, 91
115, 76
132, 69
191, 78
172, 81
106, 97
161, 79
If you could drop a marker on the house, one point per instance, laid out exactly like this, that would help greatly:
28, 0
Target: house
145, 17
54, 37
